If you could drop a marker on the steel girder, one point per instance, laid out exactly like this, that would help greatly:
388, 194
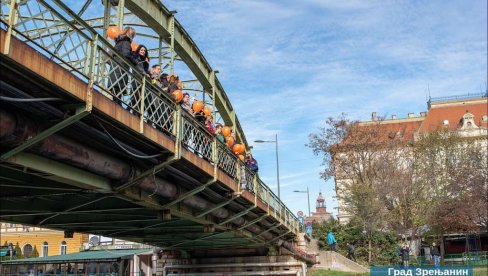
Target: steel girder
156, 16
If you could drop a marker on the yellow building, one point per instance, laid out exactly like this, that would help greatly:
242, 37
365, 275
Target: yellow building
47, 242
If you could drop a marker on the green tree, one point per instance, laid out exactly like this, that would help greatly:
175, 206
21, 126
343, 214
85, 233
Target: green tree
383, 243
391, 181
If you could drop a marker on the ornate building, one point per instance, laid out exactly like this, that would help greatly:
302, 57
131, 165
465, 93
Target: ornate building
466, 115
320, 213
40, 241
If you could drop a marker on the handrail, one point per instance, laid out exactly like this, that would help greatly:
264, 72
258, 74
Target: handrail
98, 67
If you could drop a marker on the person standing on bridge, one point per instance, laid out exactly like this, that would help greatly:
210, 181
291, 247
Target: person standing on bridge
119, 78
140, 59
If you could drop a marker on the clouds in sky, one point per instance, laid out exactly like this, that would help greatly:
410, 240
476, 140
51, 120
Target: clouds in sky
288, 65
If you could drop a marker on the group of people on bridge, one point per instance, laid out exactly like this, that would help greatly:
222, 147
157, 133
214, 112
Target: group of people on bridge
119, 80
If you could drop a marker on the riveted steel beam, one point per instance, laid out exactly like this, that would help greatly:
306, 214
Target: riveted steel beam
279, 236
80, 113
253, 222
158, 17
198, 239
159, 167
73, 208
61, 172
220, 205
56, 225
238, 215
270, 229
189, 193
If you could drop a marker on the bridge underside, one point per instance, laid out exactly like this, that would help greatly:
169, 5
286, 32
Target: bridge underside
41, 189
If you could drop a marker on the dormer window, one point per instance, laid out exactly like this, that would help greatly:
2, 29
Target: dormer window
468, 121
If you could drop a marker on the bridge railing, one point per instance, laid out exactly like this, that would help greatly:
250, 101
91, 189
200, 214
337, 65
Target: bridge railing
58, 33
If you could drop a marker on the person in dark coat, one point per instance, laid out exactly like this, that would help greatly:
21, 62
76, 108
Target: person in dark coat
434, 251
119, 78
251, 163
140, 59
405, 252
351, 252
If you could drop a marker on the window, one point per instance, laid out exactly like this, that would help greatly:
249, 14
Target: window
45, 248
63, 248
27, 251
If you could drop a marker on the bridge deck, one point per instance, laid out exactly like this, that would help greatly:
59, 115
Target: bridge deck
39, 188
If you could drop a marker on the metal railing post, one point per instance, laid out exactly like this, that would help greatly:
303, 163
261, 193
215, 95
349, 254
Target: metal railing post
142, 97
215, 158
178, 130
255, 184
120, 13
12, 20
91, 71
269, 199
171, 29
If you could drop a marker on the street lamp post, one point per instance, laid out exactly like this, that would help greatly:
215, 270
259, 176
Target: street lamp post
308, 198
277, 161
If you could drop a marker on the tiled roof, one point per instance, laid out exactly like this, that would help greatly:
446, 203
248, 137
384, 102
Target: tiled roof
453, 112
84, 256
403, 129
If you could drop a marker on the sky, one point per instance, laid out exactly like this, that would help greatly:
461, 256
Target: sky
287, 65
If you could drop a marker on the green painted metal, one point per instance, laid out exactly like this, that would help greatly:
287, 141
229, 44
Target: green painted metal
156, 16
80, 113
217, 206
198, 239
73, 208
274, 239
271, 229
253, 222
159, 167
62, 172
120, 13
189, 193
171, 28
12, 20
236, 216
140, 198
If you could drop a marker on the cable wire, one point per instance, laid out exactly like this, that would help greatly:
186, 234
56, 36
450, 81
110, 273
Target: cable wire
10, 99
124, 149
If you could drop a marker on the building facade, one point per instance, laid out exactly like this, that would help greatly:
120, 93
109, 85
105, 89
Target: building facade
320, 213
466, 115
45, 242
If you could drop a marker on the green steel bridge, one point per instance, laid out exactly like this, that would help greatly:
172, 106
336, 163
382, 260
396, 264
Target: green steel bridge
73, 159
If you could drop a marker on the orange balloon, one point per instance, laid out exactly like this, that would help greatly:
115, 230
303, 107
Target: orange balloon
238, 148
241, 148
134, 46
241, 157
226, 131
197, 106
230, 141
178, 94
207, 110
113, 31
